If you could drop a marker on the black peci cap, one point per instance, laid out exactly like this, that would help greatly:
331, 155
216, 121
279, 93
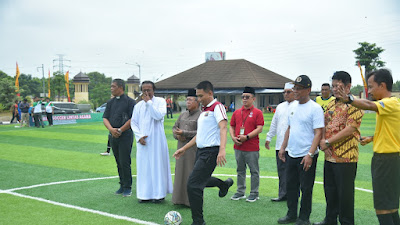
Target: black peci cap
191, 93
249, 90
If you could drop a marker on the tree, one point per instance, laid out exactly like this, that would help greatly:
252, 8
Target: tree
356, 90
4, 75
7, 94
368, 56
99, 88
57, 85
396, 86
29, 85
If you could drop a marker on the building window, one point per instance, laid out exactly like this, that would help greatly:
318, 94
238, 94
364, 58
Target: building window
271, 100
222, 99
262, 101
281, 99
232, 99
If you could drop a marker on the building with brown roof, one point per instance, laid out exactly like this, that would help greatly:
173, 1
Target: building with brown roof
229, 77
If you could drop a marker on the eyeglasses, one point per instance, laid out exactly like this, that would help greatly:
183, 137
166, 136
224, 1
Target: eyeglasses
287, 92
245, 97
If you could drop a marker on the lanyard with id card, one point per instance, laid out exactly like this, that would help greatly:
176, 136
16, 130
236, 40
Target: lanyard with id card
243, 121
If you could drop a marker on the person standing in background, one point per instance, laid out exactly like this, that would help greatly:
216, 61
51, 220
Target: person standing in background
325, 97
278, 127
184, 130
246, 123
49, 111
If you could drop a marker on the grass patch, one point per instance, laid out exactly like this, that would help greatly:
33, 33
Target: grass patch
31, 156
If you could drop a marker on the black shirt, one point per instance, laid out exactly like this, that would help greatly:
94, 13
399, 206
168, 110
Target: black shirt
119, 110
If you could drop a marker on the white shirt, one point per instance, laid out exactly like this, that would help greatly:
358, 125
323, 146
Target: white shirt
279, 123
38, 108
208, 132
49, 108
303, 119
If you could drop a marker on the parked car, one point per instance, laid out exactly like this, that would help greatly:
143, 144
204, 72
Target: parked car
65, 108
101, 108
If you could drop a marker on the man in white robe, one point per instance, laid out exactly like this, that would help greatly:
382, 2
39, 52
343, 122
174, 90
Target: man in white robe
153, 180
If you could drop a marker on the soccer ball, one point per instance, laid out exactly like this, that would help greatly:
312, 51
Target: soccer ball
173, 218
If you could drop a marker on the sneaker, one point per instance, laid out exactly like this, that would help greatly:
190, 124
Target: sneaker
105, 153
238, 196
127, 192
252, 198
119, 191
223, 191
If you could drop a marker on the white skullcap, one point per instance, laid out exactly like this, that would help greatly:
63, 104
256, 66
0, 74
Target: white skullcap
289, 85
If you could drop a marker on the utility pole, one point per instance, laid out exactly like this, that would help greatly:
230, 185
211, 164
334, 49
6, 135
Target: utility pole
140, 75
61, 64
42, 67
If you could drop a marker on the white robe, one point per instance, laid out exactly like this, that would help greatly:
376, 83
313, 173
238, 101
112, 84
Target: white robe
152, 160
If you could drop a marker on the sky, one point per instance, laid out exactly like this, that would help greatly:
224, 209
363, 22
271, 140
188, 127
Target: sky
289, 37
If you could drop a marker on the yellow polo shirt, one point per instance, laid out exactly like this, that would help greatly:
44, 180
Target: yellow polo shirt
324, 102
387, 130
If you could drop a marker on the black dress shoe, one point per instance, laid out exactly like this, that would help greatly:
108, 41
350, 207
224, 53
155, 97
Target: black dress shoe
224, 190
287, 219
157, 201
143, 201
279, 199
302, 222
325, 222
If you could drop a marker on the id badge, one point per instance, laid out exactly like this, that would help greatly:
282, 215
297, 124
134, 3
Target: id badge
241, 131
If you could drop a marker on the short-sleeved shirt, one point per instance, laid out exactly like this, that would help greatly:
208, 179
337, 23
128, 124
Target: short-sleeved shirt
24, 107
338, 116
303, 119
119, 110
49, 107
208, 132
387, 130
324, 102
37, 107
250, 119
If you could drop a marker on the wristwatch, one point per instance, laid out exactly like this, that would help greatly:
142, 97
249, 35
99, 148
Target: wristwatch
351, 99
327, 143
248, 137
119, 131
310, 154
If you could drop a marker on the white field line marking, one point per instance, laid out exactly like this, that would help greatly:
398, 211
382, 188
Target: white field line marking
84, 209
103, 178
61, 182
10, 191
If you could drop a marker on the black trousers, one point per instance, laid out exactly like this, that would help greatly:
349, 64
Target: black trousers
206, 161
50, 118
122, 148
169, 111
14, 116
108, 143
339, 191
281, 167
298, 179
38, 119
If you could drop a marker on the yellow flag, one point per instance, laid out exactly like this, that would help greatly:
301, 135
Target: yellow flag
67, 85
16, 79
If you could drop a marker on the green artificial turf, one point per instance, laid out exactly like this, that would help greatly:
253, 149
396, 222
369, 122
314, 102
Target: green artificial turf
31, 156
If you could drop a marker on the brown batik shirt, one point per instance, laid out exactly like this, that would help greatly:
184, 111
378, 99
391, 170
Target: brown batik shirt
338, 116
